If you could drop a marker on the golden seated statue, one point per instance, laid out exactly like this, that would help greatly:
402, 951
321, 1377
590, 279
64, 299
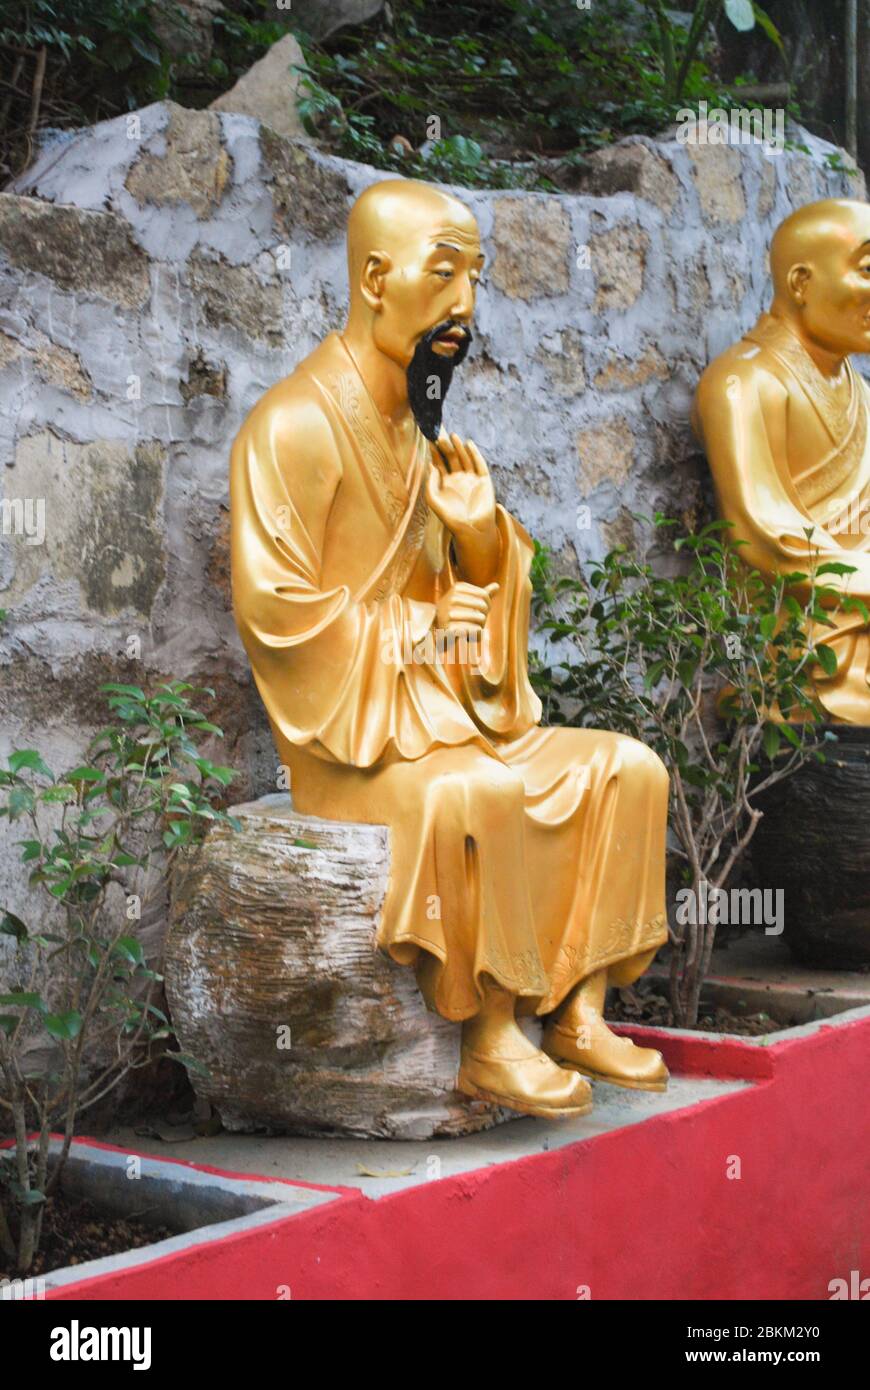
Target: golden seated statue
783, 418
383, 599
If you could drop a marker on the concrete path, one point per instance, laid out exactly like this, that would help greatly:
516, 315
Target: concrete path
381, 1166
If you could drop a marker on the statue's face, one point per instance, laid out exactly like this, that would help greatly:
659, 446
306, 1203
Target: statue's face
836, 292
425, 307
431, 284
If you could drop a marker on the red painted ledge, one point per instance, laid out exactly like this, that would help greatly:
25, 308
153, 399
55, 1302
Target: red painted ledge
651, 1211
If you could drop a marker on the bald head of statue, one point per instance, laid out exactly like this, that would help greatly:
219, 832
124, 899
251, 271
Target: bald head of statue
414, 264
820, 265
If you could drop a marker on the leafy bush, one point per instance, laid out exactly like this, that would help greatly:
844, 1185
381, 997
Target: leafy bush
70, 62
652, 655
522, 88
510, 83
78, 1012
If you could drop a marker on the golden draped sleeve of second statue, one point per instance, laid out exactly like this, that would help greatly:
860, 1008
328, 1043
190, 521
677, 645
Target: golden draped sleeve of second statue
516, 851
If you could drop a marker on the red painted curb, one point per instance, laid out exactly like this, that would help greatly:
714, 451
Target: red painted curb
760, 1193
693, 1054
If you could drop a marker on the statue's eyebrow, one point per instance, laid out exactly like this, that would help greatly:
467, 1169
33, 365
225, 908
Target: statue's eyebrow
448, 246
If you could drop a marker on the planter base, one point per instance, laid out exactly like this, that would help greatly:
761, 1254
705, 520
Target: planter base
814, 843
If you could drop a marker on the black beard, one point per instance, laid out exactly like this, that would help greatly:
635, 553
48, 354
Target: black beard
426, 364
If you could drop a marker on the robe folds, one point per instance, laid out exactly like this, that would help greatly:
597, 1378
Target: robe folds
787, 455
533, 856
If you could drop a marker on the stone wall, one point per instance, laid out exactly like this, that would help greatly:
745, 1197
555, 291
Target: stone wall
158, 272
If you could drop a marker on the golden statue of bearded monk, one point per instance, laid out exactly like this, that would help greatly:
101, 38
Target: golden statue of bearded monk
383, 599
783, 416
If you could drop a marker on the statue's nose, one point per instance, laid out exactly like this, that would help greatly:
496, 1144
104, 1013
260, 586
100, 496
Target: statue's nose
464, 306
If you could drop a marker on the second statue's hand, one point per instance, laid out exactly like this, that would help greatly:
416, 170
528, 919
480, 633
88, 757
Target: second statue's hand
459, 491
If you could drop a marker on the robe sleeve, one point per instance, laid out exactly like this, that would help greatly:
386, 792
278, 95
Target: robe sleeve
498, 694
335, 675
740, 417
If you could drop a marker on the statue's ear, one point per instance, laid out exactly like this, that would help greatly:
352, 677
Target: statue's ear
797, 280
374, 274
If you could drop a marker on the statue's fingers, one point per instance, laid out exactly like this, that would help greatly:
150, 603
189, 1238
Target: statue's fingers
464, 590
477, 460
478, 607
461, 615
474, 598
446, 452
462, 457
433, 481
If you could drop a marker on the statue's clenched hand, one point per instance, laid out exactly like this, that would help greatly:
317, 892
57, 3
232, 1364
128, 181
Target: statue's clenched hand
464, 608
459, 491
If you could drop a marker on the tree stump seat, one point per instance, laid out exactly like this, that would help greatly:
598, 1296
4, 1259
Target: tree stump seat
277, 988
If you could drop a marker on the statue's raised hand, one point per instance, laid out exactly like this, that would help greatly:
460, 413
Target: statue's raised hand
459, 489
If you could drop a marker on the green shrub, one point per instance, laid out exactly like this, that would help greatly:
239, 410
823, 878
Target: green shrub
710, 666
80, 985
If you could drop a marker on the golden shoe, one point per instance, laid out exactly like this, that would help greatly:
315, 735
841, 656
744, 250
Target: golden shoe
533, 1084
597, 1052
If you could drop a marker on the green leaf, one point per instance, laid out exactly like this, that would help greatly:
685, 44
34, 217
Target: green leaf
834, 567
65, 1026
224, 775
134, 691
10, 925
24, 1000
190, 1063
128, 948
765, 23
146, 50
827, 659
653, 674
85, 774
770, 740
21, 800
26, 1196
59, 793
29, 758
789, 733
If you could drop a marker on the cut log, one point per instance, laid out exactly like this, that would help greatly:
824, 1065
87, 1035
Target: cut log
276, 986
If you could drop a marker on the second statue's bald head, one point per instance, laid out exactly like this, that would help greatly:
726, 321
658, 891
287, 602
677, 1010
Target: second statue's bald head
820, 265
414, 261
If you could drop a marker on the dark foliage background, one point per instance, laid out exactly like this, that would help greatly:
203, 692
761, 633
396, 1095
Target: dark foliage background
523, 89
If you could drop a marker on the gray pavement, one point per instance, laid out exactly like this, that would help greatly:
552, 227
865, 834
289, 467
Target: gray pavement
381, 1166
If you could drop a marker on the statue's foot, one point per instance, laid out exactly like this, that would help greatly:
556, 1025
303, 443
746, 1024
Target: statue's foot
527, 1081
606, 1057
580, 1039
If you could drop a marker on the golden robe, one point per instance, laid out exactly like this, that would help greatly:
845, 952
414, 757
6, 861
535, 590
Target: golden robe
787, 455
535, 856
